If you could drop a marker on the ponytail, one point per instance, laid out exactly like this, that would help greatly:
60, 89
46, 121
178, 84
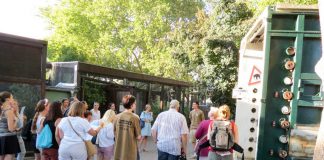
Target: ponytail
33, 127
224, 112
39, 108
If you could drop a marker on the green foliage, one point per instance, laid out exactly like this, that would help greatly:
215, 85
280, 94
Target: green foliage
170, 38
26, 95
94, 92
118, 34
186, 112
155, 108
208, 47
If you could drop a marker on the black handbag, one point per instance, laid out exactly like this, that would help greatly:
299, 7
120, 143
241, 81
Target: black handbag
239, 149
182, 157
142, 123
94, 139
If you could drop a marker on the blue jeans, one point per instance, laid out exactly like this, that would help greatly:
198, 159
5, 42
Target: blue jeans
166, 156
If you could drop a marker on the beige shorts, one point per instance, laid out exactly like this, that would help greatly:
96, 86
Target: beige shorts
192, 136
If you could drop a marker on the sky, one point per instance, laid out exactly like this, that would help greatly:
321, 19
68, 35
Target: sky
23, 18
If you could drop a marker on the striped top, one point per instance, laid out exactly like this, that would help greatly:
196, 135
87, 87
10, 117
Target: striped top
170, 125
4, 128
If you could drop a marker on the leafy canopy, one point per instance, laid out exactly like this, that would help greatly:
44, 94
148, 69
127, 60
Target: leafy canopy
115, 33
188, 40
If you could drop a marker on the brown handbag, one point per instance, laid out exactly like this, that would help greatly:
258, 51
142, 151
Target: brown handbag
91, 150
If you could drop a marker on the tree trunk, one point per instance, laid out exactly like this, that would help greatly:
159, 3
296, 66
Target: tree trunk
319, 148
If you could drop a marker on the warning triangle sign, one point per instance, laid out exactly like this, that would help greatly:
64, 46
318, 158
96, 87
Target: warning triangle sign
255, 76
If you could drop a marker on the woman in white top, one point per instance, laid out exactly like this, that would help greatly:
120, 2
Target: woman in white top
105, 138
95, 111
71, 144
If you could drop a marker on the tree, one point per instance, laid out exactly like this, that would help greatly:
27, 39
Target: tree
114, 33
208, 47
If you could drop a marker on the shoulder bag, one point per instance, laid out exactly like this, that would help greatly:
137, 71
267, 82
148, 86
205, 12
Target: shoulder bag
44, 139
142, 123
91, 150
198, 143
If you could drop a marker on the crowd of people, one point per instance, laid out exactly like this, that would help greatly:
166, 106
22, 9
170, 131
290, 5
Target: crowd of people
67, 130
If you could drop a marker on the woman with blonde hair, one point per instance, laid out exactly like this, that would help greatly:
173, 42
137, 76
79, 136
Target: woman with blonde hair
105, 138
147, 117
223, 118
20, 124
72, 132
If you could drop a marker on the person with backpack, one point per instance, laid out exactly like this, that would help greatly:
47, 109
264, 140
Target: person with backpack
67, 110
202, 133
65, 104
222, 134
52, 119
37, 125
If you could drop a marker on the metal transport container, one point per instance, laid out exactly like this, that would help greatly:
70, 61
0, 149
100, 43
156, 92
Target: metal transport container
279, 101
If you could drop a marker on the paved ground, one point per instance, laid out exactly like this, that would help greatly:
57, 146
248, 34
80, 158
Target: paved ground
150, 154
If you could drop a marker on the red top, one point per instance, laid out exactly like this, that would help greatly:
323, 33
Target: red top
201, 131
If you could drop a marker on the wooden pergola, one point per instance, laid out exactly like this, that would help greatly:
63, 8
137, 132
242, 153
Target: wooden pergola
85, 72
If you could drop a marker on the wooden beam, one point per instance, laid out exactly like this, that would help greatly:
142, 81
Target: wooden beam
257, 33
22, 40
121, 74
21, 80
43, 65
296, 8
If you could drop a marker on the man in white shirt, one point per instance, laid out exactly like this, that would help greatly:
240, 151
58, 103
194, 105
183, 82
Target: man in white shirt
170, 132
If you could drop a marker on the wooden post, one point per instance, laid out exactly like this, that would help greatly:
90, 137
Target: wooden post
319, 148
149, 94
162, 98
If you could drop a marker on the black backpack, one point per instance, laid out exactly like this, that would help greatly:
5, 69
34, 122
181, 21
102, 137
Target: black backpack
26, 131
66, 112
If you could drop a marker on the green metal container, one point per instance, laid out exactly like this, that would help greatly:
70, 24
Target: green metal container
280, 99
